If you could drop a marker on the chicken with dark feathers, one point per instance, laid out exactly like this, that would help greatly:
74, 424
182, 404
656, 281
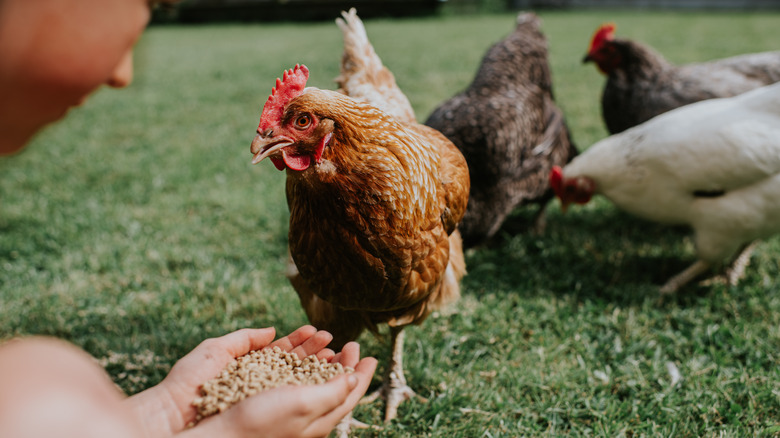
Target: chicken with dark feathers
510, 130
641, 83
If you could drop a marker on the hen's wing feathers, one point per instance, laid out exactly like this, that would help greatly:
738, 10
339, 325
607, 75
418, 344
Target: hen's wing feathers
752, 150
734, 75
556, 132
363, 76
453, 175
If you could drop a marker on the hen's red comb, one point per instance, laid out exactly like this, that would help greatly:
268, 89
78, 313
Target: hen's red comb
291, 85
605, 32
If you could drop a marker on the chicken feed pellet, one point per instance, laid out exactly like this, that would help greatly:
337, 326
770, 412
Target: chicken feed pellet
259, 371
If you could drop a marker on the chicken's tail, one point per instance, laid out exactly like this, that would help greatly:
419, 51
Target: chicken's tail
456, 269
363, 76
457, 261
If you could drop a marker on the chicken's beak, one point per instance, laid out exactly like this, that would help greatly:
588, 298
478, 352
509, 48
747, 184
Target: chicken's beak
564, 206
587, 59
264, 145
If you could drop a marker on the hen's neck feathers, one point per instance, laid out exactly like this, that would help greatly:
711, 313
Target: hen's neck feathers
374, 158
639, 60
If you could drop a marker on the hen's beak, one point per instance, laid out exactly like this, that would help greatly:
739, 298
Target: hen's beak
265, 145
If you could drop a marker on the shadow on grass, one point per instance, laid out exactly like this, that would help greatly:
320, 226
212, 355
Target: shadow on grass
598, 253
38, 243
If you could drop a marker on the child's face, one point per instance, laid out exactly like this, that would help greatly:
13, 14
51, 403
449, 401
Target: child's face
55, 52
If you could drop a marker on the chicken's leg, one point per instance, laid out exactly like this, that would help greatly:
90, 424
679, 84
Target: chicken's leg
733, 274
736, 270
347, 424
539, 223
394, 388
684, 277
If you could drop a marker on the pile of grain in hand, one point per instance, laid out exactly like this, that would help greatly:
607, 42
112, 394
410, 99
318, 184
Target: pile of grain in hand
258, 371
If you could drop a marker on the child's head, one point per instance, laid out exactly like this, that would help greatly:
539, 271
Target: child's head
56, 52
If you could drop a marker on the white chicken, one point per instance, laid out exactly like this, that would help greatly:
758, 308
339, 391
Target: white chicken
713, 165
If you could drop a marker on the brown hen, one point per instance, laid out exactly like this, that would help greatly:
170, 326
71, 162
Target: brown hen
374, 198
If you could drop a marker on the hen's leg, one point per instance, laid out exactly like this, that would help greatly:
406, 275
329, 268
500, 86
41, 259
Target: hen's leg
736, 270
394, 388
684, 277
540, 220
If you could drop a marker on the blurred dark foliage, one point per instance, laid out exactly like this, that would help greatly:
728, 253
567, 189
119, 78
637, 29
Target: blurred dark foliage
200, 11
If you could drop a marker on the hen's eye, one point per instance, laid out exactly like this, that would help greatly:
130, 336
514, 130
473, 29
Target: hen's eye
302, 121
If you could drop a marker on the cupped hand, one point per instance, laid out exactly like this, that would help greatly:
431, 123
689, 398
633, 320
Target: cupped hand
296, 411
166, 409
212, 355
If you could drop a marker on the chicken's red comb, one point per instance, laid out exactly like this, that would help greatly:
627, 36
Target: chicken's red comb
291, 85
605, 32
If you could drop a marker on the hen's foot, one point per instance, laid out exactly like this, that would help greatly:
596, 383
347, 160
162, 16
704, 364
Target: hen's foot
394, 388
348, 424
735, 271
394, 393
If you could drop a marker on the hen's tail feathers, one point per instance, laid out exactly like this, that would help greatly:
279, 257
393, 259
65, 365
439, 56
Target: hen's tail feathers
456, 269
359, 55
363, 76
527, 18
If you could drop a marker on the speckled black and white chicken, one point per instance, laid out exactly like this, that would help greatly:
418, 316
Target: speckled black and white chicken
510, 130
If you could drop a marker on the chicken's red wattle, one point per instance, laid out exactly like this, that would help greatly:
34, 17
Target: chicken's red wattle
297, 162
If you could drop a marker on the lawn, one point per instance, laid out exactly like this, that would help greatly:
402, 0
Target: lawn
138, 227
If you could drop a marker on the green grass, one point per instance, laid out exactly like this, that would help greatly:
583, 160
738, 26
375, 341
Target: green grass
137, 227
